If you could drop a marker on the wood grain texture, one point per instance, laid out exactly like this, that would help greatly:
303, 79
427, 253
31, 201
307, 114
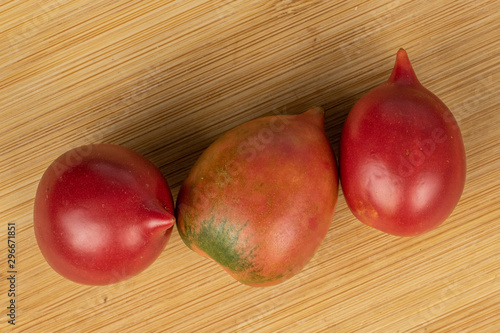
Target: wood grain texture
166, 78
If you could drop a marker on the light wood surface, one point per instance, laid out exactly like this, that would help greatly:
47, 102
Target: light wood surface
166, 78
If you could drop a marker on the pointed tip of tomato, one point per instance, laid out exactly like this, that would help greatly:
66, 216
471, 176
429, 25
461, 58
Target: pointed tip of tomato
403, 72
315, 115
160, 221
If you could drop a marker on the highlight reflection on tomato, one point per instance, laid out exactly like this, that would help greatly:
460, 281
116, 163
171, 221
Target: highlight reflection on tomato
103, 213
402, 158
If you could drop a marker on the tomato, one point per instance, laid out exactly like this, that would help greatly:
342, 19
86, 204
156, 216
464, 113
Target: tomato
260, 200
402, 158
102, 213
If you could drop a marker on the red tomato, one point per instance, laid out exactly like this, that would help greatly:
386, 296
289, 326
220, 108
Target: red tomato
102, 213
402, 158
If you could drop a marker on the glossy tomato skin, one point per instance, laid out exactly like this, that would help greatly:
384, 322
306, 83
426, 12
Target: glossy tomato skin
402, 158
103, 213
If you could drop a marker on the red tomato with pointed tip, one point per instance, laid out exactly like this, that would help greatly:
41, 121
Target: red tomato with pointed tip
402, 158
102, 213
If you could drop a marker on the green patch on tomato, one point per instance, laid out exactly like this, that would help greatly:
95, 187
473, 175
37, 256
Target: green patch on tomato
222, 242
255, 278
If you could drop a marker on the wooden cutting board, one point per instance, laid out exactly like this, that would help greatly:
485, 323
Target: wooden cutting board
166, 78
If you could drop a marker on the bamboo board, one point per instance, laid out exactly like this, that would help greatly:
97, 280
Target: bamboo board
166, 78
